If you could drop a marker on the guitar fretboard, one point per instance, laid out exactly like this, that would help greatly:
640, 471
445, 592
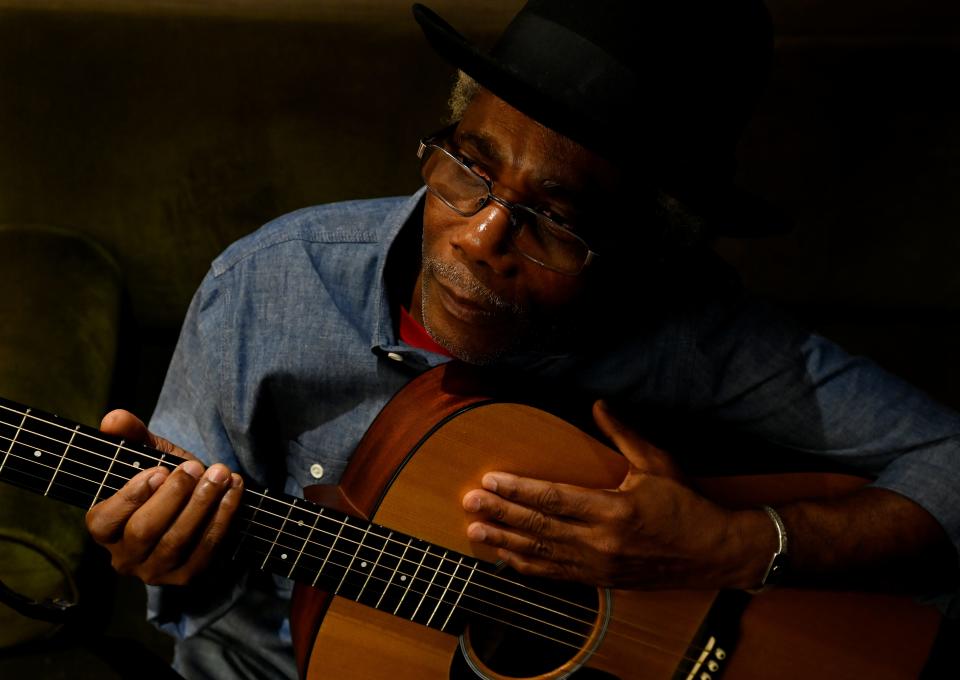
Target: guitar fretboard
344, 555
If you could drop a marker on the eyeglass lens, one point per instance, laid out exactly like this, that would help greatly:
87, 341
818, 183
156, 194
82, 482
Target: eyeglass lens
536, 236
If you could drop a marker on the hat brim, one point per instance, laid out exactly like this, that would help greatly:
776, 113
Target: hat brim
732, 211
520, 92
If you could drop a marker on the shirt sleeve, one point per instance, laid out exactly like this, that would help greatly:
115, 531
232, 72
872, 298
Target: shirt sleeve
765, 375
188, 414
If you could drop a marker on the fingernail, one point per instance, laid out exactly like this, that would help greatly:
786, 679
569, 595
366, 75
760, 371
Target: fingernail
476, 532
217, 474
155, 480
192, 468
471, 503
235, 481
490, 482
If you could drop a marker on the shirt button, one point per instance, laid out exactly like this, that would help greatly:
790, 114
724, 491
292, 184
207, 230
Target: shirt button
394, 356
316, 470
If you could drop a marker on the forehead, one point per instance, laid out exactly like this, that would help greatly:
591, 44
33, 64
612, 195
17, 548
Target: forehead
515, 141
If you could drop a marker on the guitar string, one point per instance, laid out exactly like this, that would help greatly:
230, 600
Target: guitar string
628, 624
440, 600
153, 458
674, 654
284, 504
344, 540
149, 457
682, 640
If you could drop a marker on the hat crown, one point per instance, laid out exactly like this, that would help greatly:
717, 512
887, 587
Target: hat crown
668, 85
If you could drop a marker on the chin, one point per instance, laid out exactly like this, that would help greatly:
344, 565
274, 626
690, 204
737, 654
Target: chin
466, 349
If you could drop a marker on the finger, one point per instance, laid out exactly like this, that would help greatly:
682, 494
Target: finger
523, 543
544, 568
106, 520
175, 544
643, 455
148, 524
124, 424
127, 426
550, 498
496, 509
200, 531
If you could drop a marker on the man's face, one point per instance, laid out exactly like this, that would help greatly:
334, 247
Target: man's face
476, 294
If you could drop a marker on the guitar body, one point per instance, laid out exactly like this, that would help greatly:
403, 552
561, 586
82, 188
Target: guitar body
435, 440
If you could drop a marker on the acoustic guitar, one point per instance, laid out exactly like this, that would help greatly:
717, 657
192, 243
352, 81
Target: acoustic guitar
388, 586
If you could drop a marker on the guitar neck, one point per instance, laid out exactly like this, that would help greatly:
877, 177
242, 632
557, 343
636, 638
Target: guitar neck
289, 536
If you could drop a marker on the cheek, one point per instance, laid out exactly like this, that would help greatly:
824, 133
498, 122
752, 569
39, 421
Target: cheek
552, 292
436, 221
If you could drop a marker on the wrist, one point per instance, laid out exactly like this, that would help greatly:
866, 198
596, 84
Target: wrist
776, 568
756, 540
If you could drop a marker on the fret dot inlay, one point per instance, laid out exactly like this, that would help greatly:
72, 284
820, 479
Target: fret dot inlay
363, 565
283, 556
37, 454
403, 577
136, 463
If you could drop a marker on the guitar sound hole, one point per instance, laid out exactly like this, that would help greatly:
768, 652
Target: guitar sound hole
541, 635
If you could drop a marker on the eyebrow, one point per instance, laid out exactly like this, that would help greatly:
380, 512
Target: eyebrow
485, 144
487, 147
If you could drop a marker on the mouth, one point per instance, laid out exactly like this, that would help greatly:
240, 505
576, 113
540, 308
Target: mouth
466, 307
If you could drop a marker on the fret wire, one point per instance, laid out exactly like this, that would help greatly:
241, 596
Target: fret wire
62, 458
244, 534
15, 435
412, 579
93, 437
429, 585
425, 594
588, 610
96, 454
258, 509
106, 475
521, 585
75, 462
394, 573
456, 604
352, 560
306, 541
329, 552
406, 549
591, 612
445, 589
279, 532
374, 567
25, 415
509, 624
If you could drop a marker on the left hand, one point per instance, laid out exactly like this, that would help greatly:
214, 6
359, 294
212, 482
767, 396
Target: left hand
652, 531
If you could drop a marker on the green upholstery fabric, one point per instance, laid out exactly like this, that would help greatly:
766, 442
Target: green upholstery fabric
59, 307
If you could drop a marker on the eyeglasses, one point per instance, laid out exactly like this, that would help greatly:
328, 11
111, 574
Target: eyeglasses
535, 236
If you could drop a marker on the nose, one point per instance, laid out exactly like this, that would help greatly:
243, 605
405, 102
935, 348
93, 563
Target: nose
486, 239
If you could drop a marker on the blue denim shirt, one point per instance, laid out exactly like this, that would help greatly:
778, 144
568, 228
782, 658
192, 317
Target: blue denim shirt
288, 352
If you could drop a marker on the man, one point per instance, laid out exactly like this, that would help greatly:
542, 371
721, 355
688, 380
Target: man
559, 238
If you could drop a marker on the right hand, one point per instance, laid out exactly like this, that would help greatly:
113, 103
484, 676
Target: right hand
161, 526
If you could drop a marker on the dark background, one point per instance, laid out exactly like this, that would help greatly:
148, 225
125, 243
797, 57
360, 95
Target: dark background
165, 130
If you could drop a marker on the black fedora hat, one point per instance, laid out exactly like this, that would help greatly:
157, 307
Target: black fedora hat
665, 85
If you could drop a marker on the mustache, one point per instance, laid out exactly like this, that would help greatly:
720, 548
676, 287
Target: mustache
466, 283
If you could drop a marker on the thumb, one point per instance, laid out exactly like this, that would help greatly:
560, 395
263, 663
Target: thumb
124, 424
644, 457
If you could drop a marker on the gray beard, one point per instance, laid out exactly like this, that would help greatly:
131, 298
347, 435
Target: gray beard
529, 333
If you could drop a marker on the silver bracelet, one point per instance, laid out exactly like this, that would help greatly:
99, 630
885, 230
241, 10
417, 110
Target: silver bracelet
778, 561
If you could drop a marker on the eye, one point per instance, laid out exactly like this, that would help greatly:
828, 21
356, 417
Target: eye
562, 218
472, 165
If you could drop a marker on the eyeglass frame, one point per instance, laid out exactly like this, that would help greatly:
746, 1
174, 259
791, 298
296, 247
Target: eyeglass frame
430, 142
